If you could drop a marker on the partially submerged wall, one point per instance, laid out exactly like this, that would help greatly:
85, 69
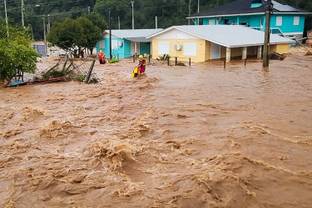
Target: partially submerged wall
281, 48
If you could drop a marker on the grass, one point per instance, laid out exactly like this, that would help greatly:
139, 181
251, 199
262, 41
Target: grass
113, 60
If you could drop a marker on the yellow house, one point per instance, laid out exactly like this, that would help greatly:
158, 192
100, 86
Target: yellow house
208, 42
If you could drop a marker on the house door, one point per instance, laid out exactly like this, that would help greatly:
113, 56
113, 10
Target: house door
215, 51
135, 48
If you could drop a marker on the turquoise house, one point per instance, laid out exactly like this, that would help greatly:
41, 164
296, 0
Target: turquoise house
286, 20
126, 43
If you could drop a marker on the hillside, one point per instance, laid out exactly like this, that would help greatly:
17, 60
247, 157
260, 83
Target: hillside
169, 12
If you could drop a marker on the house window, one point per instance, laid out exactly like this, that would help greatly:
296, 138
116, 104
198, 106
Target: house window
114, 44
279, 21
212, 22
190, 49
296, 20
163, 48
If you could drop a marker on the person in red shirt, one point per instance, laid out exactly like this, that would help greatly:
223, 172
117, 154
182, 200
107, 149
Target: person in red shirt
101, 57
142, 64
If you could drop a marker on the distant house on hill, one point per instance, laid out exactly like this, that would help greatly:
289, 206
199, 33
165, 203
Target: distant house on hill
126, 43
213, 42
286, 20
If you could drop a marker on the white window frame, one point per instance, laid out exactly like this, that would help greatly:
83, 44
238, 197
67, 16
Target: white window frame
190, 49
279, 20
296, 20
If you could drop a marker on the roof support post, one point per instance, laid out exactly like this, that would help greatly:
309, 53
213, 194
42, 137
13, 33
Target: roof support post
259, 52
228, 55
135, 48
110, 35
244, 55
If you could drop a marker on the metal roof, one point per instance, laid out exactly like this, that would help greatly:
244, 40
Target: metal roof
136, 35
284, 7
241, 7
231, 36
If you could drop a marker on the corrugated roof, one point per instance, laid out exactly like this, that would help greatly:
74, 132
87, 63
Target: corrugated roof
136, 35
244, 7
232, 36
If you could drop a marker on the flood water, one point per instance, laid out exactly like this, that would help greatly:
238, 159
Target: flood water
202, 136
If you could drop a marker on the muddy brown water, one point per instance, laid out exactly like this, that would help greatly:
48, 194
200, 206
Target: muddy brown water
179, 137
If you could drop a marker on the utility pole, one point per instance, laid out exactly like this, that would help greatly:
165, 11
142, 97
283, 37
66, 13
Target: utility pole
22, 11
119, 22
6, 18
49, 24
189, 11
132, 11
198, 5
45, 36
110, 34
266, 47
156, 22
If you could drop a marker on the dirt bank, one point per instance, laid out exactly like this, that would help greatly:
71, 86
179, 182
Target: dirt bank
179, 137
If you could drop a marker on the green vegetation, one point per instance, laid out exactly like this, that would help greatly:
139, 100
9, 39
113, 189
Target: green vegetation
113, 60
169, 12
16, 53
75, 35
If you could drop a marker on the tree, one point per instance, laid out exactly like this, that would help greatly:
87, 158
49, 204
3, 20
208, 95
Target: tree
67, 35
16, 53
97, 20
90, 32
75, 35
169, 12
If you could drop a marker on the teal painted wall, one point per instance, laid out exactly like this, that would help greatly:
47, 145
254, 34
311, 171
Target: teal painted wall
145, 48
98, 47
120, 47
252, 21
127, 49
257, 21
123, 49
288, 23
117, 50
206, 21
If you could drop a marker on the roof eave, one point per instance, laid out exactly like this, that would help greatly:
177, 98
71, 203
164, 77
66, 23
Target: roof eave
260, 44
295, 13
225, 15
194, 35
160, 32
